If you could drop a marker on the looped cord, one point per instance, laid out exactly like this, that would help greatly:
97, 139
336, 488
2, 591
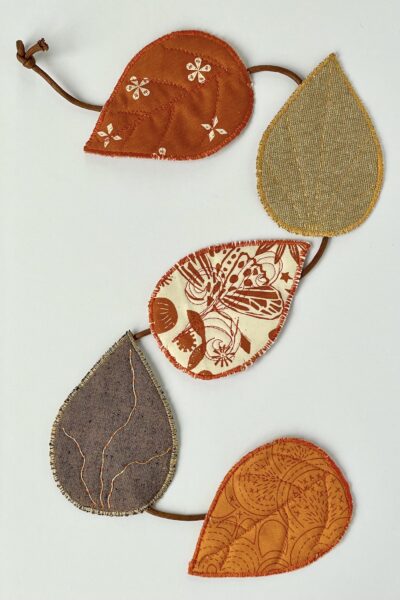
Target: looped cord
174, 516
317, 257
25, 57
27, 60
276, 69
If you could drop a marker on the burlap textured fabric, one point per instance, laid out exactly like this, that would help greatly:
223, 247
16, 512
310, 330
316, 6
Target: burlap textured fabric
184, 96
320, 165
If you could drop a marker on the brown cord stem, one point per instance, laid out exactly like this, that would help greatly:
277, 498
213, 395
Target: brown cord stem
276, 69
174, 516
141, 334
27, 60
314, 261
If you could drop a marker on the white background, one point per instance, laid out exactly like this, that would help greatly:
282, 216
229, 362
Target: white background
84, 239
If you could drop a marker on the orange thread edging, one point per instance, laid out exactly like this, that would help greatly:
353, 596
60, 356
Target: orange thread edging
346, 486
226, 140
269, 343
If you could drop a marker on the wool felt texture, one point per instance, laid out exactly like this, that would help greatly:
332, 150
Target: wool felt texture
113, 444
217, 310
280, 508
320, 165
184, 96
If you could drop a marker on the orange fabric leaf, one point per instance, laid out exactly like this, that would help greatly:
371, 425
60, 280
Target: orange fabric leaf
184, 96
280, 508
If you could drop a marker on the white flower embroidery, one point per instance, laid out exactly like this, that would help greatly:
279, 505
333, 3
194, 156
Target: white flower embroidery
107, 135
198, 70
212, 129
160, 154
137, 87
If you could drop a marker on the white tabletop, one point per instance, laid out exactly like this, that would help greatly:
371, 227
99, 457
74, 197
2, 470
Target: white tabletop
84, 239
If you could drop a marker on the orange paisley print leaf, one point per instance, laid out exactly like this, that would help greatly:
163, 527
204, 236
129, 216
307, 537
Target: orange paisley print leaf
184, 96
231, 300
280, 508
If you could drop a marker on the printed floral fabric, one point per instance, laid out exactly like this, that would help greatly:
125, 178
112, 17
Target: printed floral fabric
217, 310
187, 94
281, 507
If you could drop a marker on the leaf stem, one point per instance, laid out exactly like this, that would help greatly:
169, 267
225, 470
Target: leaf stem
27, 60
315, 260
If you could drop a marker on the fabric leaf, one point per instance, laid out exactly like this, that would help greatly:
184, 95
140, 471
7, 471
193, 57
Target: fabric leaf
235, 297
319, 165
279, 508
184, 96
113, 443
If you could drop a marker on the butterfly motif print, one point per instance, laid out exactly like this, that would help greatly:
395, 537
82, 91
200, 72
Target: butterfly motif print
239, 282
230, 303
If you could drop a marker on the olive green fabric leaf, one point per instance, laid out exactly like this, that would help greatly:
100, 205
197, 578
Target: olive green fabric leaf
113, 445
319, 165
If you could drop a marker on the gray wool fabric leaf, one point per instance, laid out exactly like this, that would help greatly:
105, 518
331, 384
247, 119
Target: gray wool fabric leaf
113, 444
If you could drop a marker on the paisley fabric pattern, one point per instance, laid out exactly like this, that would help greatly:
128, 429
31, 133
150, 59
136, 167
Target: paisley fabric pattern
280, 508
217, 310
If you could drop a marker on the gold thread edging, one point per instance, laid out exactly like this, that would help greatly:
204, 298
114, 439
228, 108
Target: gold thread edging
174, 450
380, 167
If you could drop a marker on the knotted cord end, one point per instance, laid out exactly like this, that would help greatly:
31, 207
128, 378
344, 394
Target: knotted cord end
25, 57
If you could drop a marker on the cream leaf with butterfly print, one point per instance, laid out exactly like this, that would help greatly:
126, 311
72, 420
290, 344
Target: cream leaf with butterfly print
217, 310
